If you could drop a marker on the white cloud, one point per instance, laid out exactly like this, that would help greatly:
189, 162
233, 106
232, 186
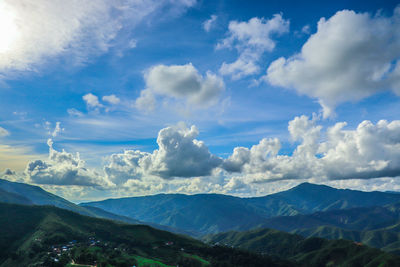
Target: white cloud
248, 160
208, 24
350, 57
180, 82
251, 39
370, 151
74, 112
63, 168
112, 99
57, 130
367, 152
36, 32
3, 132
179, 155
146, 101
92, 101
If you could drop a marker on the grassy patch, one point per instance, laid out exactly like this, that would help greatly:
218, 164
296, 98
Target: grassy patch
201, 260
145, 262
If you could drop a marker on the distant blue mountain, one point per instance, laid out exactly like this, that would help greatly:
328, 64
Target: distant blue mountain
213, 213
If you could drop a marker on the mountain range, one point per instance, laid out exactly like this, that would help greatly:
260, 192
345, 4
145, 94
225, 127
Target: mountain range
303, 213
213, 213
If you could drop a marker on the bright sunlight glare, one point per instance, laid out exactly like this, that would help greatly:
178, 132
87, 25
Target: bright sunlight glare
8, 28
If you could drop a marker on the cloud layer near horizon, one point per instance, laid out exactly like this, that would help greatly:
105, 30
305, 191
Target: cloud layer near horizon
62, 168
367, 152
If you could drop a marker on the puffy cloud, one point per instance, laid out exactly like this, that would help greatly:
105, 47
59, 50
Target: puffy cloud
126, 166
251, 39
179, 155
34, 32
208, 24
3, 132
350, 57
246, 160
112, 99
180, 82
370, 151
62, 168
367, 152
146, 101
92, 101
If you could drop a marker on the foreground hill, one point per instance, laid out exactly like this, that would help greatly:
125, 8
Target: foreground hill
305, 251
212, 213
49, 236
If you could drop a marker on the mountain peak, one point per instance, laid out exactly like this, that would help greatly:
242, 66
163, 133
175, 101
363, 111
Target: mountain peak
310, 186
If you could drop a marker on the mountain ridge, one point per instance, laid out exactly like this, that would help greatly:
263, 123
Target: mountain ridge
212, 213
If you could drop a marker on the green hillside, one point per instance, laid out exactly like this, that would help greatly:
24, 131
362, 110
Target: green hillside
387, 239
29, 235
305, 251
375, 226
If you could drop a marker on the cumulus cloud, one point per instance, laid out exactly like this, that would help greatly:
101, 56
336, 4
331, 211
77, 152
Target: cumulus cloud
35, 32
92, 101
251, 39
179, 154
3, 132
369, 151
208, 24
350, 57
180, 82
111, 99
62, 168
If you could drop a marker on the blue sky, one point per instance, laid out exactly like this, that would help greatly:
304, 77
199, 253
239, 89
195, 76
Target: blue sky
99, 78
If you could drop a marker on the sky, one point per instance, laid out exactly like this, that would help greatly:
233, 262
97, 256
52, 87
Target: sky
103, 99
